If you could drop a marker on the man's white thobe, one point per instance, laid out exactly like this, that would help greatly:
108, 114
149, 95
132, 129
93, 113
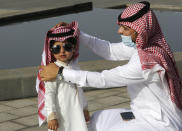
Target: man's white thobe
65, 102
148, 90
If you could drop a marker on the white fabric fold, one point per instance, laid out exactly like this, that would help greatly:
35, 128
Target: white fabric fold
148, 89
64, 99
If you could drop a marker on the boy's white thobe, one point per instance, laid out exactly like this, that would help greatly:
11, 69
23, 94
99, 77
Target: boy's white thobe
65, 102
148, 90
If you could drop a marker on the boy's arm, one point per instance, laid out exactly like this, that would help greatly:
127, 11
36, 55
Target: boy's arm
84, 102
82, 98
50, 99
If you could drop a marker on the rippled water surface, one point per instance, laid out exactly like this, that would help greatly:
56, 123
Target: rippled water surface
22, 43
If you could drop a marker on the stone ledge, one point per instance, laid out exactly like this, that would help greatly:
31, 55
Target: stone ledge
20, 82
9, 16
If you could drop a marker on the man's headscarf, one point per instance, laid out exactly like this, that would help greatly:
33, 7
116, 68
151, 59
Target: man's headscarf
152, 46
60, 34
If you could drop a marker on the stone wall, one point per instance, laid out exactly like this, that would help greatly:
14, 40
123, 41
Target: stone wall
20, 83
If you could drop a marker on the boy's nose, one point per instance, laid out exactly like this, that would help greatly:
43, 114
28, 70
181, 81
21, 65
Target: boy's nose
62, 50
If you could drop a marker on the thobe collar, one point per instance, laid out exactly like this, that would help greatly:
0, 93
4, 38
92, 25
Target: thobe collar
70, 64
60, 63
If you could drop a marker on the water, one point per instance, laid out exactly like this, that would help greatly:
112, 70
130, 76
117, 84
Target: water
22, 43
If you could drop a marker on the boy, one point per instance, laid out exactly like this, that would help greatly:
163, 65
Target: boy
64, 102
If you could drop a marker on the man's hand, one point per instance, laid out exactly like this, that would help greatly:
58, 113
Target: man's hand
53, 124
86, 114
60, 24
48, 72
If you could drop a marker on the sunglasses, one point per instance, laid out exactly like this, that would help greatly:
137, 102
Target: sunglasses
66, 46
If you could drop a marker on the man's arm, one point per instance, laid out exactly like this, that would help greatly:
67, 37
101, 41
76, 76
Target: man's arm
105, 49
116, 77
120, 76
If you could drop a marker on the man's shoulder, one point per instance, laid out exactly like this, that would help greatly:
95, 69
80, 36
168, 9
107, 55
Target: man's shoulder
135, 56
135, 60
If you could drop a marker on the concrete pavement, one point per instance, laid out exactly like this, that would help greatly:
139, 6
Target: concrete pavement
21, 114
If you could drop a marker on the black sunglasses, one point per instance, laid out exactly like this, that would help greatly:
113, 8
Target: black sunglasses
55, 49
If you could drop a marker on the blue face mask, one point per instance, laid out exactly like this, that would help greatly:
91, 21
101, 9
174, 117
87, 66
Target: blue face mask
128, 41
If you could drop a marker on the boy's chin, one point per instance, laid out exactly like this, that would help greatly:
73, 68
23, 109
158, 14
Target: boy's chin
63, 60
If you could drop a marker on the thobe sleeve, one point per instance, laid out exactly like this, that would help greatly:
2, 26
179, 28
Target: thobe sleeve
105, 49
82, 98
128, 74
50, 99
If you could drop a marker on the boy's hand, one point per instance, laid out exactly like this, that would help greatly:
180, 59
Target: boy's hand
86, 114
53, 124
48, 72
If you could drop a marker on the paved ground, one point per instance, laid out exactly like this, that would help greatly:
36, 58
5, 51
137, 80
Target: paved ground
21, 114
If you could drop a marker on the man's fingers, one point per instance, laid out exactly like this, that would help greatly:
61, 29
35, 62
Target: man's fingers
57, 25
42, 75
48, 72
43, 79
54, 128
50, 127
60, 24
41, 67
57, 125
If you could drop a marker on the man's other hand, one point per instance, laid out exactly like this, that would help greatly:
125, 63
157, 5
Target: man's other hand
86, 114
60, 24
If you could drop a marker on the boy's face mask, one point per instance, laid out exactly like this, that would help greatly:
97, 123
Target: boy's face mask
128, 41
